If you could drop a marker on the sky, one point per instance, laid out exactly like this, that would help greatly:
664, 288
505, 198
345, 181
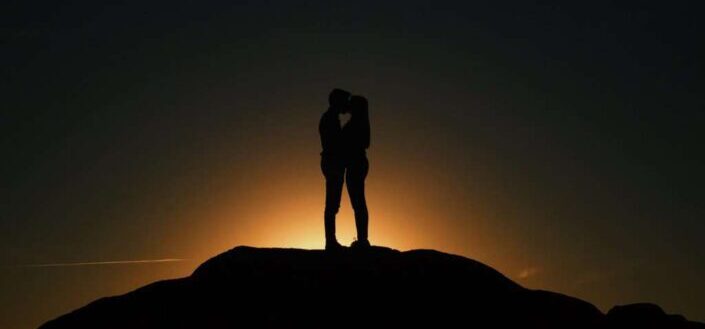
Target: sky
558, 143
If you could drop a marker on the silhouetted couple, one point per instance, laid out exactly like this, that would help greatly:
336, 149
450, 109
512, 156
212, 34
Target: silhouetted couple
343, 159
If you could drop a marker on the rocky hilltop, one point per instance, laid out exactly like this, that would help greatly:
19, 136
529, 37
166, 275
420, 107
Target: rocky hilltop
378, 287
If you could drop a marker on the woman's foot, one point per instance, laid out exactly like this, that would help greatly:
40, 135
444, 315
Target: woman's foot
360, 244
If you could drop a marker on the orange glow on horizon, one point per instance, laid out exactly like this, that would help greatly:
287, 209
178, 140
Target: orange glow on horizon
406, 212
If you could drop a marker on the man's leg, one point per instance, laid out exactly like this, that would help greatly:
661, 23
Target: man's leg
334, 173
356, 174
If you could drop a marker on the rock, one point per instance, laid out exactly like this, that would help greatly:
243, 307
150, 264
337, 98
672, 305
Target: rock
378, 287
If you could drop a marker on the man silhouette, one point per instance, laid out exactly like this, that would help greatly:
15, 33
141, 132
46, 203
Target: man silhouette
332, 160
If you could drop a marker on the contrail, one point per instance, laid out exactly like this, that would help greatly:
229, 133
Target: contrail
164, 260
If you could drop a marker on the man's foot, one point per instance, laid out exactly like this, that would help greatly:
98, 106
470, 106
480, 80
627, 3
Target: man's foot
360, 244
333, 245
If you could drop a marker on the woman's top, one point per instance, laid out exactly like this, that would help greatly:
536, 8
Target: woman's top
356, 136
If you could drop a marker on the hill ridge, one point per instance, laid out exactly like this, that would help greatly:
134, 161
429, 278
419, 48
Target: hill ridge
289, 287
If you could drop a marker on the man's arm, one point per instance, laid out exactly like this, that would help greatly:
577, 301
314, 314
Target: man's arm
329, 129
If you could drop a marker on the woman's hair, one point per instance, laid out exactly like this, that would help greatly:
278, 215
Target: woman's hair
360, 119
358, 106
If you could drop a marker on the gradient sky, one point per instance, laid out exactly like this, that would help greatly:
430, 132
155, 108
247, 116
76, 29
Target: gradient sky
560, 144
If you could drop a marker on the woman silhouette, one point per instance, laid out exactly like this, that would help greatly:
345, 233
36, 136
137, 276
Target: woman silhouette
356, 139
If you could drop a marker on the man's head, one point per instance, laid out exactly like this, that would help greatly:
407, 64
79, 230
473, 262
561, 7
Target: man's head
339, 100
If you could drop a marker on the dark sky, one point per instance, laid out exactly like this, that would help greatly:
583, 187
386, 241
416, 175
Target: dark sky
558, 143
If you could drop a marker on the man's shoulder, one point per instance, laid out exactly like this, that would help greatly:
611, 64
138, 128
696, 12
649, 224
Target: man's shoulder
328, 116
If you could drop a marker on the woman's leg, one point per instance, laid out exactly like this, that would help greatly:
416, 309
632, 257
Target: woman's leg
355, 176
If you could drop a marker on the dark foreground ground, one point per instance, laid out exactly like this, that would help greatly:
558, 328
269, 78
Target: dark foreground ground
249, 287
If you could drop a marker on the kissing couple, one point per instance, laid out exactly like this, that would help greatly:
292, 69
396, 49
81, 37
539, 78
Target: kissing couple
344, 159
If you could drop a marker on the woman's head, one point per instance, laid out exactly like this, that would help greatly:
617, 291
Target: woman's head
358, 105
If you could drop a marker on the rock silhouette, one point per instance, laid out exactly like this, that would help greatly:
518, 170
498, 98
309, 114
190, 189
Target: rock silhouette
378, 287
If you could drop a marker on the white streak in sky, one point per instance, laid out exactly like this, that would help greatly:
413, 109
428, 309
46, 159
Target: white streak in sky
114, 262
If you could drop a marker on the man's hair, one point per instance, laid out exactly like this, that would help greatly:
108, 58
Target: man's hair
338, 97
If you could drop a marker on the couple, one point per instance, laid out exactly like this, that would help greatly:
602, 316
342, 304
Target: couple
344, 159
